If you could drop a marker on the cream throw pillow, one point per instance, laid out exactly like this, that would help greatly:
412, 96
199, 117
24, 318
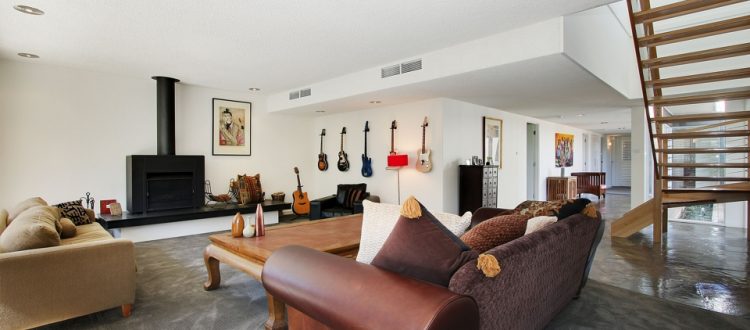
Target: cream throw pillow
23, 206
33, 229
378, 220
537, 223
3, 220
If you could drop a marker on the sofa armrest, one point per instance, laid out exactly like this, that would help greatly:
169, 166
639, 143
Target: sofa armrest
46, 285
344, 294
484, 213
317, 206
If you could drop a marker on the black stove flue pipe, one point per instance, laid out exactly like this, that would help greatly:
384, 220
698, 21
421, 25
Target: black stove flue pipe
165, 131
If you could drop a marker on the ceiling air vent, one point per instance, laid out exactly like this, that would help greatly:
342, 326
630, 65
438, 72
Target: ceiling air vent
411, 66
390, 71
293, 95
305, 92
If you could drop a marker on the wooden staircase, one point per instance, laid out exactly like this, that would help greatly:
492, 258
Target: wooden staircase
694, 65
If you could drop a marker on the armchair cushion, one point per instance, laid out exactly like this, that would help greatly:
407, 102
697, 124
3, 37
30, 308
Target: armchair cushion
347, 194
33, 229
378, 219
421, 247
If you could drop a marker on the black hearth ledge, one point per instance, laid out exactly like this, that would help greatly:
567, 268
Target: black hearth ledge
150, 218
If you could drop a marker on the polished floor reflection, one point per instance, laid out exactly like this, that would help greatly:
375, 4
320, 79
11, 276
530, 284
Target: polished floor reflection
700, 265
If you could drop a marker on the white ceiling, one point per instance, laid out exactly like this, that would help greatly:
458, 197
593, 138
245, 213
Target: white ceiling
236, 44
552, 87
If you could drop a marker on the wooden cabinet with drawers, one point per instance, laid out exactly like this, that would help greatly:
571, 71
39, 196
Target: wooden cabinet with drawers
477, 187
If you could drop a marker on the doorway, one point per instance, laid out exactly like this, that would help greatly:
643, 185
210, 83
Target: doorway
532, 161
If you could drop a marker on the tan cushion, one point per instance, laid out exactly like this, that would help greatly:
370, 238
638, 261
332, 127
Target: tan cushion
3, 219
68, 228
88, 233
23, 206
33, 229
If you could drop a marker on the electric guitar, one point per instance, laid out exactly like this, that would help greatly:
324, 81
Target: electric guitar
343, 163
366, 161
393, 128
424, 164
322, 158
301, 205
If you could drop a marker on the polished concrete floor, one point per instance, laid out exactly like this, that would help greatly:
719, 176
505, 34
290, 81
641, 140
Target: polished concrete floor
700, 265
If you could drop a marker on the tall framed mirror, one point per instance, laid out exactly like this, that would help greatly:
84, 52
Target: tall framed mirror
492, 141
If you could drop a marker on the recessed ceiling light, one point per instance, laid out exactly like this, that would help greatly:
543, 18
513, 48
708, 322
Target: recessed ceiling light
320, 111
28, 10
580, 115
375, 102
254, 89
28, 55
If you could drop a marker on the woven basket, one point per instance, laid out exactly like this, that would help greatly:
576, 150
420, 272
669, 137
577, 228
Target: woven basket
278, 196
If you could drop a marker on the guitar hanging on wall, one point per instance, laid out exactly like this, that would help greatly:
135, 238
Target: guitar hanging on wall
424, 164
301, 204
343, 163
322, 158
366, 161
394, 159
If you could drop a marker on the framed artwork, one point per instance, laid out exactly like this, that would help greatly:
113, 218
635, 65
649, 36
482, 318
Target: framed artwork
563, 150
492, 141
230, 128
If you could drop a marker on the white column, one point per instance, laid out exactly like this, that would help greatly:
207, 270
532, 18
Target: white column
641, 158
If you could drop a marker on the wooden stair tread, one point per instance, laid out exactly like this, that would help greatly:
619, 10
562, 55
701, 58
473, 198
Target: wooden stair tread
694, 98
704, 150
703, 117
700, 78
696, 135
697, 56
706, 165
703, 178
679, 9
695, 32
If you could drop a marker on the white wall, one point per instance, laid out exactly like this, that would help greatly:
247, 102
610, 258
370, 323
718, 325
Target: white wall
463, 138
65, 132
427, 187
596, 39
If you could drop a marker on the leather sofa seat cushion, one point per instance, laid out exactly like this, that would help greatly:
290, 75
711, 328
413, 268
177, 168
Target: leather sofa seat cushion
421, 247
23, 206
378, 219
496, 231
33, 229
88, 233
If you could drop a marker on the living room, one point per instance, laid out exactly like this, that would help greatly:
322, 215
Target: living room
82, 99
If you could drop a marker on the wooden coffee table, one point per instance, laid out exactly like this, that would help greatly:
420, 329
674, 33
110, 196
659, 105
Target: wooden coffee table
336, 235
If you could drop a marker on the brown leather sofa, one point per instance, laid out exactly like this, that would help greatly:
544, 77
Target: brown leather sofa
541, 273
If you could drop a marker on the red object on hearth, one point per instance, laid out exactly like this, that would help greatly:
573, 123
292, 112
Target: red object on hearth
103, 209
398, 160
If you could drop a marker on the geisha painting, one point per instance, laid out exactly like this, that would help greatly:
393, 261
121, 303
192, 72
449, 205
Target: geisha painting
231, 127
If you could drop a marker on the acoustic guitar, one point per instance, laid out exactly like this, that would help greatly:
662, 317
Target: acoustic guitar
424, 163
301, 204
322, 158
343, 163
366, 161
